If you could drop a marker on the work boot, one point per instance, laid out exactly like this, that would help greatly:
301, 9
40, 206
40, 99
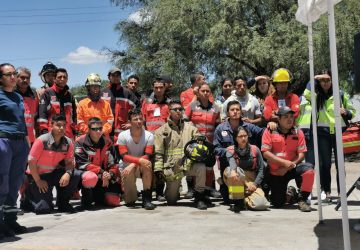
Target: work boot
304, 207
160, 185
237, 206
190, 192
224, 191
86, 198
16, 227
215, 194
146, 194
200, 201
66, 207
6, 231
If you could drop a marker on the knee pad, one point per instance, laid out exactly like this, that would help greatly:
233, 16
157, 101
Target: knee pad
112, 199
89, 179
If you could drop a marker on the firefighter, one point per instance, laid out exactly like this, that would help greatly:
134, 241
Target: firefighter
205, 116
132, 84
245, 173
47, 75
121, 102
170, 140
100, 176
14, 148
156, 111
224, 139
94, 106
281, 79
51, 164
284, 149
250, 106
136, 147
58, 100
326, 128
31, 102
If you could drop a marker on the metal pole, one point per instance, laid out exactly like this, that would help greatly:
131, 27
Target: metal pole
313, 117
338, 119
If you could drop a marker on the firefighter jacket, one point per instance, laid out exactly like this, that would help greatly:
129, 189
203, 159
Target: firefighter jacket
285, 146
204, 118
96, 158
155, 113
326, 115
272, 103
100, 109
169, 142
57, 101
121, 102
31, 104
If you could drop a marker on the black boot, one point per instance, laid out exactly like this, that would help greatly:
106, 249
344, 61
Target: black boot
160, 192
146, 194
190, 184
224, 190
16, 227
200, 201
63, 204
6, 231
237, 206
86, 198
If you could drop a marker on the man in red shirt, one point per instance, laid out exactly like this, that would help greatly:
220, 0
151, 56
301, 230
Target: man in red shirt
284, 149
51, 164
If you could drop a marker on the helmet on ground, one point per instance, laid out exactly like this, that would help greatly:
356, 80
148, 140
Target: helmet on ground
281, 75
198, 150
49, 67
93, 79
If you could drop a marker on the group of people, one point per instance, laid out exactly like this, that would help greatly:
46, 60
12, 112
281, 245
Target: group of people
102, 144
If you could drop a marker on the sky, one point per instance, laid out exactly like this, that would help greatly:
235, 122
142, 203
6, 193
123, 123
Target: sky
70, 34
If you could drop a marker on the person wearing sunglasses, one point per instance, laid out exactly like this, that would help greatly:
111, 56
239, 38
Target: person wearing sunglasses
14, 148
170, 140
100, 176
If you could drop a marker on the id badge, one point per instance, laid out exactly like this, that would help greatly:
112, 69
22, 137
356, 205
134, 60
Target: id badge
281, 103
156, 112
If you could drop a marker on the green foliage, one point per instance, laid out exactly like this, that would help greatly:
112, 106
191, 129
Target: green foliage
229, 38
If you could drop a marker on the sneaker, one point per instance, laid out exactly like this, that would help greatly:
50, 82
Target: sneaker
160, 198
326, 201
189, 194
66, 208
215, 194
323, 195
304, 207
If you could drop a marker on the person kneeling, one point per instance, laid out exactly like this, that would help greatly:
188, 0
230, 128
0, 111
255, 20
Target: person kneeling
284, 149
51, 164
99, 174
136, 146
245, 174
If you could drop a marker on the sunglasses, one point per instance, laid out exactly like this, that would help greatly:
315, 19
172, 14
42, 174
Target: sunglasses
97, 129
177, 109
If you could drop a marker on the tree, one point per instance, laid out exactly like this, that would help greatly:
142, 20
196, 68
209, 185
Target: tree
229, 38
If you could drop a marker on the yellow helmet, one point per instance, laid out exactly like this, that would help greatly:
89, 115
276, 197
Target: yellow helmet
281, 75
93, 79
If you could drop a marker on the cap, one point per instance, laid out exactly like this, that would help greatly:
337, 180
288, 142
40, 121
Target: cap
166, 78
114, 70
284, 110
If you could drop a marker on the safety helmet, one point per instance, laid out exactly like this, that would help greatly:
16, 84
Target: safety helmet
198, 150
47, 68
281, 75
93, 79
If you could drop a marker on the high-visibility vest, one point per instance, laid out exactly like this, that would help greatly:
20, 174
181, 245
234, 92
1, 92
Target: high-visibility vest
304, 119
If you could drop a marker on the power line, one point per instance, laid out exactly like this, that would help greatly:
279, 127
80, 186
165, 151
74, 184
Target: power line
31, 59
62, 14
62, 22
49, 9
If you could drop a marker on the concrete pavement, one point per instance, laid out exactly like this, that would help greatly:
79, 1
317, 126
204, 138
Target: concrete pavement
185, 227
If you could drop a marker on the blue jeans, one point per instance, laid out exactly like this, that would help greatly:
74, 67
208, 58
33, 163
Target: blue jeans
13, 157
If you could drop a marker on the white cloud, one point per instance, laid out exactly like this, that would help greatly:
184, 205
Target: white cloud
139, 17
85, 55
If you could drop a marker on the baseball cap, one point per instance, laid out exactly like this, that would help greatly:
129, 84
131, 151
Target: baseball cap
114, 70
284, 110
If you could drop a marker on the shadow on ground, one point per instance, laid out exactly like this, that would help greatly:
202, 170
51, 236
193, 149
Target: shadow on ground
330, 234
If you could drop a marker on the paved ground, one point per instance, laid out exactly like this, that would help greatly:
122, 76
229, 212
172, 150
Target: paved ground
184, 227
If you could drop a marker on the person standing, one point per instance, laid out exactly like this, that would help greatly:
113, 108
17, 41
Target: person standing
47, 75
94, 106
14, 148
58, 100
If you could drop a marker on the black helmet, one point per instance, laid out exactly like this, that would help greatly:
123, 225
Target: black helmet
48, 67
198, 150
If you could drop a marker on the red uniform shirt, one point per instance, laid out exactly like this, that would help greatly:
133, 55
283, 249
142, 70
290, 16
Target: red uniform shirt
204, 119
283, 146
47, 155
272, 102
187, 96
155, 113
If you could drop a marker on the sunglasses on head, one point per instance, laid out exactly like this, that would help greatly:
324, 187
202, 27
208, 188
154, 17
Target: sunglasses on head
97, 129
